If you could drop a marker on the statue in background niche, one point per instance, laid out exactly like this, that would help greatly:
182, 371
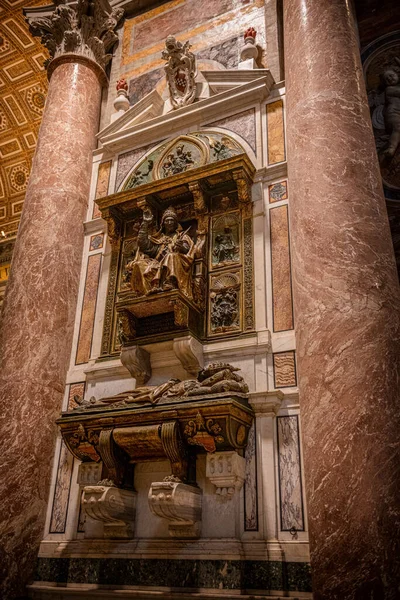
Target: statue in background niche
180, 71
385, 105
163, 262
392, 110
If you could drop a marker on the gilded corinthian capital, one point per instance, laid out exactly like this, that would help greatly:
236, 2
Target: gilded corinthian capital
84, 28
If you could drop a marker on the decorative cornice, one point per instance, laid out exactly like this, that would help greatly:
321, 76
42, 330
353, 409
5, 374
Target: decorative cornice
84, 28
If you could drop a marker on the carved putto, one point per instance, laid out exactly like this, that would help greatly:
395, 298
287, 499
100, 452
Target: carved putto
180, 71
85, 28
177, 162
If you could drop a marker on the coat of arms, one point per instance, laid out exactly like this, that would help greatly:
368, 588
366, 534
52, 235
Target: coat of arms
180, 71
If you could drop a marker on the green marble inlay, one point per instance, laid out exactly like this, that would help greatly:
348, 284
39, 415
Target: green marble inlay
214, 574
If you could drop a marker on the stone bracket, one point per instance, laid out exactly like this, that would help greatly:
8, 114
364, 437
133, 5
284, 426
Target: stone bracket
190, 353
174, 448
114, 458
113, 507
137, 361
180, 504
226, 470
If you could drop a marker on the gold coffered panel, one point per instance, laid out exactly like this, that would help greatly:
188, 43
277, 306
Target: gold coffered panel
23, 89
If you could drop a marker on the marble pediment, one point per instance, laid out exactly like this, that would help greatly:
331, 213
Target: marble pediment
222, 91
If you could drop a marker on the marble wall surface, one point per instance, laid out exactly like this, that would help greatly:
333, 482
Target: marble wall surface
290, 485
61, 493
103, 178
243, 123
250, 484
275, 132
88, 308
281, 269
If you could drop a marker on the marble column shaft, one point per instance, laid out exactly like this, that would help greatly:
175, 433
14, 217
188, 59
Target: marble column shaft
347, 309
39, 311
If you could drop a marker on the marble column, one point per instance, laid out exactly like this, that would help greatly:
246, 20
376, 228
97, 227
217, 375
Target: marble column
39, 307
347, 309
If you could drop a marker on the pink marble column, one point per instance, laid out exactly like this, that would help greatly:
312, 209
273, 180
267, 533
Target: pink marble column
39, 311
347, 309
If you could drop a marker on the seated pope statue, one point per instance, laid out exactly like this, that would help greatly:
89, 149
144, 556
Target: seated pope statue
163, 261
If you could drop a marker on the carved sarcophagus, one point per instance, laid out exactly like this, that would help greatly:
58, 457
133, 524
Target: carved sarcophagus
174, 421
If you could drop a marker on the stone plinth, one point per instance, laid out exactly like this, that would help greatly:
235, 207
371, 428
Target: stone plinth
347, 309
39, 311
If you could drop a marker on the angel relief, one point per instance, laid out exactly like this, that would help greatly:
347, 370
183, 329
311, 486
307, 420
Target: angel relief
163, 261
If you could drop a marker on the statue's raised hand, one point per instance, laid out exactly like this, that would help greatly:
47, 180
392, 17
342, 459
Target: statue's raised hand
147, 215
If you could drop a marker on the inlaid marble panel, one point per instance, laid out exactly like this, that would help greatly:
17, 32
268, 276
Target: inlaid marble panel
103, 179
243, 124
281, 270
183, 17
61, 493
76, 391
96, 242
290, 484
88, 309
184, 574
278, 191
285, 369
275, 132
226, 53
250, 483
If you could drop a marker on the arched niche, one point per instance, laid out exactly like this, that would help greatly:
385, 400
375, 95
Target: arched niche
181, 154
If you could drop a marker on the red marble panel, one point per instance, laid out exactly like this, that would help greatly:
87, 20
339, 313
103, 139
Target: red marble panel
281, 273
191, 13
275, 132
88, 309
103, 179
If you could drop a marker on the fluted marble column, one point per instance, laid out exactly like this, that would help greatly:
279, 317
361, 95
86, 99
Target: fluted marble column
347, 309
40, 302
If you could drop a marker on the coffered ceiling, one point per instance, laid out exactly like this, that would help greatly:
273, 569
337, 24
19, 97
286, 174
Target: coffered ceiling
23, 88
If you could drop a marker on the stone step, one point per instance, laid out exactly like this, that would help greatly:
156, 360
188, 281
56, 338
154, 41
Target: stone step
40, 591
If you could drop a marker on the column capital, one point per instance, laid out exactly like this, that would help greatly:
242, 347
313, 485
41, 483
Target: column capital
81, 29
